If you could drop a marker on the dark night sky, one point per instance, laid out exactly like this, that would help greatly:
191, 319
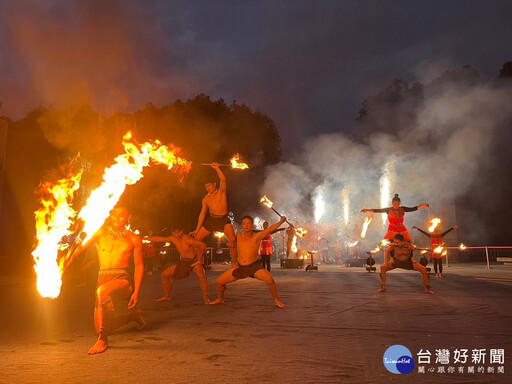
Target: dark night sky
307, 64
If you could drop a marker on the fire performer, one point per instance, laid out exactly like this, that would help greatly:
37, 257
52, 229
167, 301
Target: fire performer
215, 203
266, 250
248, 265
401, 257
115, 246
191, 259
436, 241
396, 215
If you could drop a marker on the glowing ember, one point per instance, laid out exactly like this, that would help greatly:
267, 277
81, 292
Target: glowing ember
423, 252
319, 205
266, 202
367, 221
386, 185
462, 247
237, 165
218, 235
53, 220
433, 224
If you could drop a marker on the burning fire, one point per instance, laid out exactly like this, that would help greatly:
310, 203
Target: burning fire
383, 243
301, 232
266, 201
127, 170
237, 165
462, 247
367, 221
218, 235
434, 223
53, 220
439, 249
294, 244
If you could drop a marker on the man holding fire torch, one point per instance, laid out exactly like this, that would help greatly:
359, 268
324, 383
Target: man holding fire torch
216, 204
248, 244
116, 246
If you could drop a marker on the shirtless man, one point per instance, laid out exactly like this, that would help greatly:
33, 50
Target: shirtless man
248, 244
401, 252
216, 203
115, 246
188, 248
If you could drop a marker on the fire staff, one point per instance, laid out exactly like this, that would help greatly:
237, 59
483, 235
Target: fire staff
396, 215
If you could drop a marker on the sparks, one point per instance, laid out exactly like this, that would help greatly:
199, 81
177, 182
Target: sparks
319, 205
386, 185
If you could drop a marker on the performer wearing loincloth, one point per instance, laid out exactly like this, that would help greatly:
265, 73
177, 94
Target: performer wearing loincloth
215, 203
116, 246
436, 240
191, 259
248, 243
401, 257
396, 215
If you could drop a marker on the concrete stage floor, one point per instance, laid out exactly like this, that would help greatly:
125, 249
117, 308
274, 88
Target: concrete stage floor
335, 328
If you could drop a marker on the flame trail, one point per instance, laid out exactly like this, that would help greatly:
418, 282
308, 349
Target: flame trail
126, 171
387, 181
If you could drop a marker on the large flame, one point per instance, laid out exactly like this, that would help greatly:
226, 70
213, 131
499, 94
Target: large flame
53, 220
433, 224
386, 183
367, 221
126, 171
235, 164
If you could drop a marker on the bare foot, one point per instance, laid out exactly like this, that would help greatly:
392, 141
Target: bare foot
218, 301
100, 347
206, 300
164, 298
429, 290
437, 275
279, 304
381, 289
139, 319
440, 275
